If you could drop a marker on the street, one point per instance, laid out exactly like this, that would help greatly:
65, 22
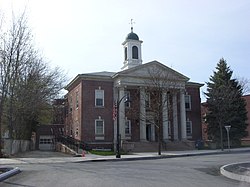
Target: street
174, 172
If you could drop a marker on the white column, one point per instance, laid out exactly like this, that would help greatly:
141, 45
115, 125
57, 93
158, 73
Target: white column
165, 116
183, 115
122, 114
175, 118
142, 115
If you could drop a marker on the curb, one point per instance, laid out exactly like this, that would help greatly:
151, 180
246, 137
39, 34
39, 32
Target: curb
160, 156
235, 176
9, 173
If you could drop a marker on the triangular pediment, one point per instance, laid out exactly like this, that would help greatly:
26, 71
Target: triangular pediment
154, 69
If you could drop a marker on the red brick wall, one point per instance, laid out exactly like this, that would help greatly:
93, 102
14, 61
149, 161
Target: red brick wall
90, 113
87, 113
204, 125
74, 114
195, 114
133, 114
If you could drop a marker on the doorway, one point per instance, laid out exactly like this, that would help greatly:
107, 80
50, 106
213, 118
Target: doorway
148, 132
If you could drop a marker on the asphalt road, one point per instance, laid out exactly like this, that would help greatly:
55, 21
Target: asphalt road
174, 172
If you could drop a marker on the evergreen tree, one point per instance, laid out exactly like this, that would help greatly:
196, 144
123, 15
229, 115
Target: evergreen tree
225, 106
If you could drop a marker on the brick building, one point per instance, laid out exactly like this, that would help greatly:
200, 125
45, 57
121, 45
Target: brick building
91, 97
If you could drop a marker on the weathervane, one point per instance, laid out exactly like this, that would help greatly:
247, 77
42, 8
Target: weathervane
131, 23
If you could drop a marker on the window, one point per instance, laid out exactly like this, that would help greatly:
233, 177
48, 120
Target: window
189, 128
127, 98
99, 98
77, 101
125, 53
77, 132
147, 100
128, 127
188, 102
134, 52
45, 141
70, 104
99, 127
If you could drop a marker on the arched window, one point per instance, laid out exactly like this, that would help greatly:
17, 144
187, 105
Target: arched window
125, 53
135, 52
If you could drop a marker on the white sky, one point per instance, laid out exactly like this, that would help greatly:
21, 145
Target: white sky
189, 36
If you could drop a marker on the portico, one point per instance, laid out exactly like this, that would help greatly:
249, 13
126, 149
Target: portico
173, 112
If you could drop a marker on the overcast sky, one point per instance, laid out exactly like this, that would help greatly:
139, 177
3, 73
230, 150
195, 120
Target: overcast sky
190, 36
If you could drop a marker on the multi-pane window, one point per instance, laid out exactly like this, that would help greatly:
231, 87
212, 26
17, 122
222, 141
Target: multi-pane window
127, 103
99, 98
99, 127
188, 102
45, 141
70, 103
147, 100
77, 100
189, 128
128, 127
77, 132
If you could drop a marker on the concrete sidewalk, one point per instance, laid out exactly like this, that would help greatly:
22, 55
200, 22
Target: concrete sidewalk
55, 157
39, 157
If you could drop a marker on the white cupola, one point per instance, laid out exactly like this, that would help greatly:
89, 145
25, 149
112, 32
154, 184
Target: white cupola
132, 50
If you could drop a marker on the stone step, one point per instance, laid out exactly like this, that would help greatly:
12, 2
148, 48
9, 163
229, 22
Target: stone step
153, 146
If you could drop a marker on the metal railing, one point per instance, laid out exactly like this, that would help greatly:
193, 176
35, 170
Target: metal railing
72, 143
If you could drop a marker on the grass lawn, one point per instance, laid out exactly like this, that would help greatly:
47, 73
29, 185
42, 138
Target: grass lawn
102, 153
105, 152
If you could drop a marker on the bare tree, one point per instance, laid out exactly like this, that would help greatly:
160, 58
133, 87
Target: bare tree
159, 85
27, 84
245, 83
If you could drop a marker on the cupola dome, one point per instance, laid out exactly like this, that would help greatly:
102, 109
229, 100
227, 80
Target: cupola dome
132, 36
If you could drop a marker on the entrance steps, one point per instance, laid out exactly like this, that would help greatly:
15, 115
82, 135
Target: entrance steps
153, 146
178, 145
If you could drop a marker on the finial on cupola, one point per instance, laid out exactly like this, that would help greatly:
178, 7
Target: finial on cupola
131, 23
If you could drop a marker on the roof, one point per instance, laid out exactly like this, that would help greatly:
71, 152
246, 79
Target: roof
94, 75
102, 73
132, 36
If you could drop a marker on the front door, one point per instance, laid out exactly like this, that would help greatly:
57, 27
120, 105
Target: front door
148, 132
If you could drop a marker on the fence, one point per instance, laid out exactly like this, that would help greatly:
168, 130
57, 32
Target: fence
11, 147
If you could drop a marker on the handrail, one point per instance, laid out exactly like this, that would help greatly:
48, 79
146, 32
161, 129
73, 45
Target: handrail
72, 143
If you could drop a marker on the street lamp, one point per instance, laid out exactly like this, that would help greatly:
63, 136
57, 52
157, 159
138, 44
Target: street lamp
118, 154
228, 141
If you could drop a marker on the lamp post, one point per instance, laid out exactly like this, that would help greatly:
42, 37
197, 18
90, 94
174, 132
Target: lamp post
228, 140
118, 154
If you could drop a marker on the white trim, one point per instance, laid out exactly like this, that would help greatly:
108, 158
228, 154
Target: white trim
147, 100
189, 135
99, 120
128, 122
127, 93
99, 94
99, 138
188, 100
